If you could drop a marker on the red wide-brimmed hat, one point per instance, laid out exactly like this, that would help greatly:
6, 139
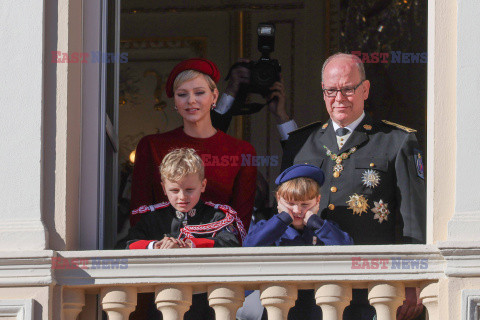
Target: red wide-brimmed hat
197, 64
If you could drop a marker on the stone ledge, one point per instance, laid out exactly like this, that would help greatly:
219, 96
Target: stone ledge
252, 265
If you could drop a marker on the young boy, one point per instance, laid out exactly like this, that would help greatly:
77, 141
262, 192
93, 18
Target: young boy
185, 221
296, 224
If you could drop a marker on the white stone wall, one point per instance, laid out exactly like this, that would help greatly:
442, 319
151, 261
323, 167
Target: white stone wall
468, 112
21, 101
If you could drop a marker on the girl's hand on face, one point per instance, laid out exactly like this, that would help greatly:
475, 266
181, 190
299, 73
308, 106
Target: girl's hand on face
310, 212
282, 206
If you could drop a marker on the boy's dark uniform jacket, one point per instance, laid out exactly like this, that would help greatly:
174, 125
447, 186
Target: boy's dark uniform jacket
207, 225
384, 173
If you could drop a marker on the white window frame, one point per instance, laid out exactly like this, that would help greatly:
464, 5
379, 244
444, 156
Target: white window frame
95, 123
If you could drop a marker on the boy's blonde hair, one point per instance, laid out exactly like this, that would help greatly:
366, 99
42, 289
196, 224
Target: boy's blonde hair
299, 189
180, 162
189, 75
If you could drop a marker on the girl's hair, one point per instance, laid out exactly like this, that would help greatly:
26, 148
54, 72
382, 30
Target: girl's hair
180, 162
189, 75
299, 189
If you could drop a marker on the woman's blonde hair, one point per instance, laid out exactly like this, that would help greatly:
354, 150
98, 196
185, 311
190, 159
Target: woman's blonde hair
181, 162
299, 189
189, 75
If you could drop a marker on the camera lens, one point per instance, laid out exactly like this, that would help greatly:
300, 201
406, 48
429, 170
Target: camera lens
265, 74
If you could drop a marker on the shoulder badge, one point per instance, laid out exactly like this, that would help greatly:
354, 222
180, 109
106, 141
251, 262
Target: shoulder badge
393, 124
314, 124
419, 163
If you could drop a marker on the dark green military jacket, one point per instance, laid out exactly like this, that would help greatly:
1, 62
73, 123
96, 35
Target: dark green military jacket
374, 185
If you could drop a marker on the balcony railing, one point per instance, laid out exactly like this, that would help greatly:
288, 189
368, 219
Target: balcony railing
225, 273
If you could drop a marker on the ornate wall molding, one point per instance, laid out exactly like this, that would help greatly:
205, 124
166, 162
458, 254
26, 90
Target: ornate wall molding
20, 309
471, 304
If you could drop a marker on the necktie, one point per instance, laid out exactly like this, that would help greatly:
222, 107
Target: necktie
342, 131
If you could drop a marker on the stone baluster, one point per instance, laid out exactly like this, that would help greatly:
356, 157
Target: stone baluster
333, 298
225, 300
118, 302
386, 298
73, 303
429, 296
173, 300
278, 299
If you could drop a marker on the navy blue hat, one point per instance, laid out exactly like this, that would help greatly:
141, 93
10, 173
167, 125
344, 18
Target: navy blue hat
301, 170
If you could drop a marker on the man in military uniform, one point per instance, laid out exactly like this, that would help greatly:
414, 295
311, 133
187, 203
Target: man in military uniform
374, 186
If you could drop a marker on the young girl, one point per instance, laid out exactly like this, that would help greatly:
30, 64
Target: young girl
296, 224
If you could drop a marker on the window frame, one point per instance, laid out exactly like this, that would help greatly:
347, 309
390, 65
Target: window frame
441, 123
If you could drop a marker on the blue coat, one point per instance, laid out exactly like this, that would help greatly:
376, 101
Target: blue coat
277, 231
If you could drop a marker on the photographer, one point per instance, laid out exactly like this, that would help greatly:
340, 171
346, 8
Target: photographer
262, 77
228, 105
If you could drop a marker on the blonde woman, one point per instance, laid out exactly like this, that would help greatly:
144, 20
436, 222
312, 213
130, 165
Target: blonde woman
192, 84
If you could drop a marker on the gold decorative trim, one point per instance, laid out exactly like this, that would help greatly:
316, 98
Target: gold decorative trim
393, 124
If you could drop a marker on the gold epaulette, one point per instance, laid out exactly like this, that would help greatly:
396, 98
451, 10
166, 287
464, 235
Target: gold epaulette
305, 127
393, 124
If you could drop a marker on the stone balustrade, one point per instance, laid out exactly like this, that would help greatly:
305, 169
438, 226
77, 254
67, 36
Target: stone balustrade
174, 275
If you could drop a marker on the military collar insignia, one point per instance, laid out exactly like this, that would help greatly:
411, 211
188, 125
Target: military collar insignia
367, 127
370, 178
358, 203
381, 211
325, 125
179, 215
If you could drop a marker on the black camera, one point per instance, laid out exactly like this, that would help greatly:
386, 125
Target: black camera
264, 72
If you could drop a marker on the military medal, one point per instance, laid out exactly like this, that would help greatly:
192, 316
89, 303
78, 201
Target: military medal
338, 167
358, 204
381, 211
371, 178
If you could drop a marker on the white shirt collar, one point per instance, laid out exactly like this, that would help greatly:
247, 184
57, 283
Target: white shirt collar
352, 125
